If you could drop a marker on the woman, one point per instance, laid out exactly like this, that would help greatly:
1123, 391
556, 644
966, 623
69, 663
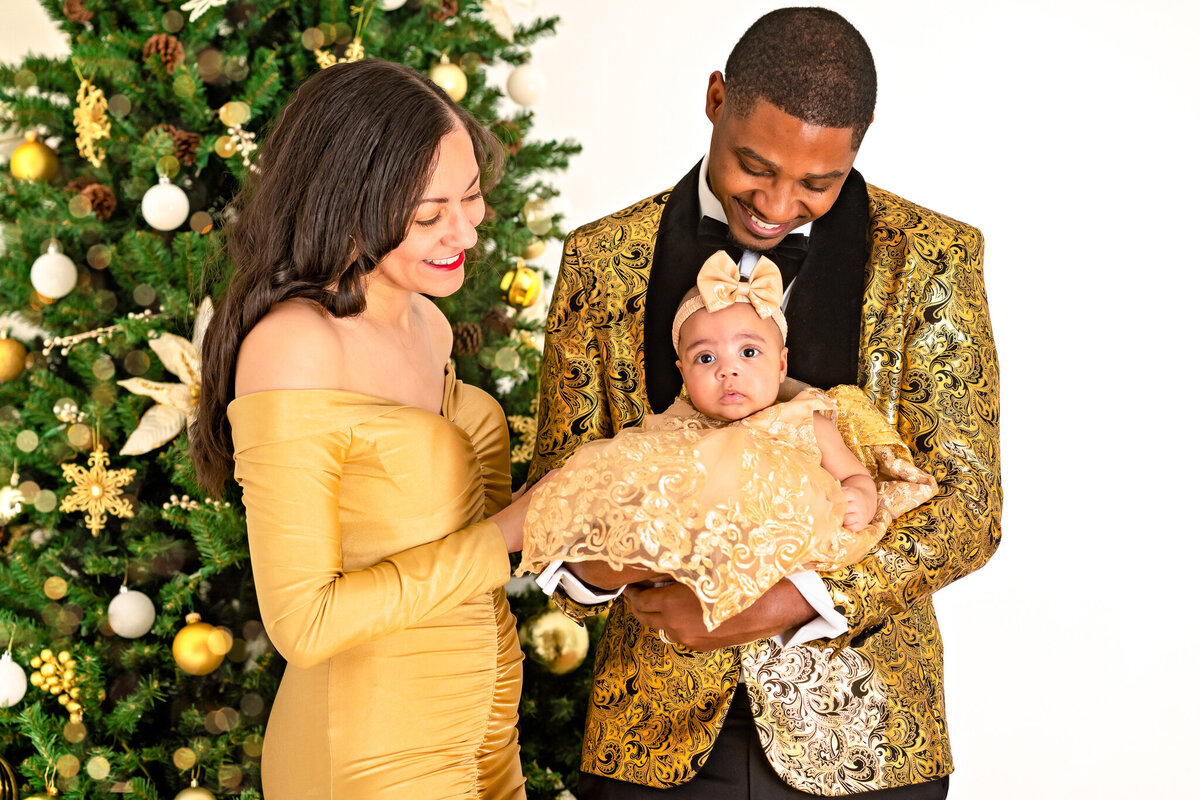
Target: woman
376, 485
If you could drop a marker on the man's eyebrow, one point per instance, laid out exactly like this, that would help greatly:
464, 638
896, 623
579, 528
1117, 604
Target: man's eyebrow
474, 181
766, 162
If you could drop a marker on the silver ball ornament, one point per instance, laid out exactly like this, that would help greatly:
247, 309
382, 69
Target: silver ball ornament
12, 681
53, 275
165, 206
130, 613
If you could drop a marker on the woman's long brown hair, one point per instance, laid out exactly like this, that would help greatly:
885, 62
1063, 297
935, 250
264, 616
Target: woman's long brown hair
337, 183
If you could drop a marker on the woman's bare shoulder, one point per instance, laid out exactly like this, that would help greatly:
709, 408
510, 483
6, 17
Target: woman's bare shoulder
296, 345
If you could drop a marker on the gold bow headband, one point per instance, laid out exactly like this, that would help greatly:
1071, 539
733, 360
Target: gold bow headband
721, 285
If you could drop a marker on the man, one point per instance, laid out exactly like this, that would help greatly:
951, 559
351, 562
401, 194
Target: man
830, 684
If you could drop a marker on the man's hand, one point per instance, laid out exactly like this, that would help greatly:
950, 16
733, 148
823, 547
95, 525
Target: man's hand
602, 576
675, 611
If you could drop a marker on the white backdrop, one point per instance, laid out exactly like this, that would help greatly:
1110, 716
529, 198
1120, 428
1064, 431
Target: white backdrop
1066, 130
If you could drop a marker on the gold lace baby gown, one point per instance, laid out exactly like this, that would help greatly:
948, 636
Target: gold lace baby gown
381, 585
728, 509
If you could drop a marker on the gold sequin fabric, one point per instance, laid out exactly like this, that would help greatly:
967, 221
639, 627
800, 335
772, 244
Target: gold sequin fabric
728, 509
865, 711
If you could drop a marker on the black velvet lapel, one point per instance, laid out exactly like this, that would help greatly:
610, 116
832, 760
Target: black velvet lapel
824, 313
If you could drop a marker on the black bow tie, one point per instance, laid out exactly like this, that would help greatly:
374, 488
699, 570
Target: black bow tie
787, 255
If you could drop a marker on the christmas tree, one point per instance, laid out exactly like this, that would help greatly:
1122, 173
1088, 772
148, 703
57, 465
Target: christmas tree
134, 660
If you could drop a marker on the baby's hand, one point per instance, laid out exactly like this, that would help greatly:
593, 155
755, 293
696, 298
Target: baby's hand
861, 502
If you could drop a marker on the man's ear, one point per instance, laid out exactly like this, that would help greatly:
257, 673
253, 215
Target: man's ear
714, 98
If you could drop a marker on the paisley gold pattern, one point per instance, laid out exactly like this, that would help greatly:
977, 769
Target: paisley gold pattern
835, 717
728, 509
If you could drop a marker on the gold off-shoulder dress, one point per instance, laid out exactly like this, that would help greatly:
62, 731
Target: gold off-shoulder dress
382, 585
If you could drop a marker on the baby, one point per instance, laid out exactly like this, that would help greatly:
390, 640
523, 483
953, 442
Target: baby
728, 491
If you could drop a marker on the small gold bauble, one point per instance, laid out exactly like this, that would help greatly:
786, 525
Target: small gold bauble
12, 358
225, 146
191, 649
554, 641
538, 215
534, 249
521, 286
195, 792
33, 160
450, 77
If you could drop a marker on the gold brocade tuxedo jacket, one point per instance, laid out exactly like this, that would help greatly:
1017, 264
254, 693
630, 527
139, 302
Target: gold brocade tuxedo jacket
865, 711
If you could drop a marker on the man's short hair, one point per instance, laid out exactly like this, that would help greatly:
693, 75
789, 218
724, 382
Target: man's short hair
809, 62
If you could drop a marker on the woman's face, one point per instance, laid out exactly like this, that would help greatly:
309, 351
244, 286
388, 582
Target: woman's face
431, 257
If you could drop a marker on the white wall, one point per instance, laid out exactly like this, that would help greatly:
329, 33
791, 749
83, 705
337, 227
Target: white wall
1066, 130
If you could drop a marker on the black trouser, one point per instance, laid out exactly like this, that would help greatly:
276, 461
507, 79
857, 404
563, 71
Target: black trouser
738, 768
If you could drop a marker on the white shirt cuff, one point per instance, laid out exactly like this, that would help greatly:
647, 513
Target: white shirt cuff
827, 624
559, 574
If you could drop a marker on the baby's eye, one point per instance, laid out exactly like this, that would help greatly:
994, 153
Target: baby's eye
704, 358
749, 352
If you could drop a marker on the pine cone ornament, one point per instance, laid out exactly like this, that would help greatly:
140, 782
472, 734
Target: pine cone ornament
468, 338
102, 198
446, 9
497, 319
186, 143
509, 134
77, 185
75, 11
167, 47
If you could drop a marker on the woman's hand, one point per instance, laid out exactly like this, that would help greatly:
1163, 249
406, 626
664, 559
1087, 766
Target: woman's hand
511, 520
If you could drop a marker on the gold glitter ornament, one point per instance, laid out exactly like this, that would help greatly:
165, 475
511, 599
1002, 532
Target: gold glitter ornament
191, 647
12, 358
521, 286
33, 160
450, 77
91, 121
97, 490
554, 641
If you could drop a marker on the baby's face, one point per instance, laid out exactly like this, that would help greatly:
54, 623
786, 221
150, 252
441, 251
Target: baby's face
732, 361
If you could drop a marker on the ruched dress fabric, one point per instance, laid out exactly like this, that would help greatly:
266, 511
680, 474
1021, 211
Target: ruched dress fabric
727, 509
381, 584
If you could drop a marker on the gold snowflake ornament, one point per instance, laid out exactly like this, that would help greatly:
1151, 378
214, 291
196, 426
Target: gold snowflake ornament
97, 490
91, 121
175, 403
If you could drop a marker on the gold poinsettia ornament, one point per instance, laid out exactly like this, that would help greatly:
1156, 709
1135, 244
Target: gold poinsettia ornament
97, 490
175, 403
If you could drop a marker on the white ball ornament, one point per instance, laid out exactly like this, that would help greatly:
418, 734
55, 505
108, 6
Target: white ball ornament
12, 681
526, 84
165, 206
53, 275
130, 614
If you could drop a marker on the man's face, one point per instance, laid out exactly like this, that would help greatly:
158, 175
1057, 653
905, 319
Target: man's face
771, 171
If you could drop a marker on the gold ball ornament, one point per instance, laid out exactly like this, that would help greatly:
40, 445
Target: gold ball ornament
195, 792
450, 77
12, 358
537, 215
521, 286
8, 782
534, 249
554, 641
33, 160
191, 650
